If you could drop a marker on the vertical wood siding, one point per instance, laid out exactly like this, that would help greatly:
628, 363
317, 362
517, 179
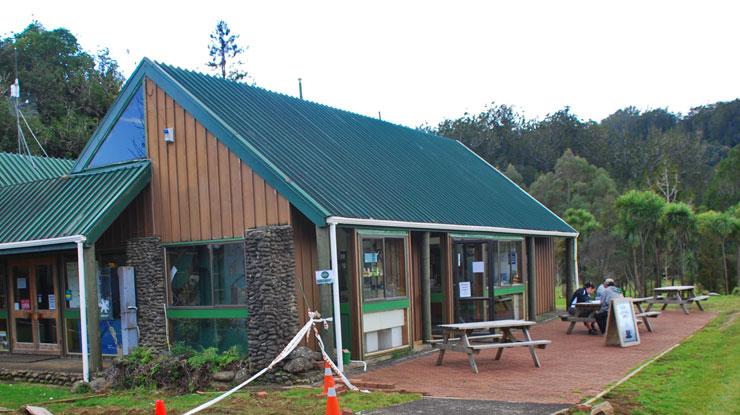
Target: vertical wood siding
135, 221
306, 263
200, 190
544, 252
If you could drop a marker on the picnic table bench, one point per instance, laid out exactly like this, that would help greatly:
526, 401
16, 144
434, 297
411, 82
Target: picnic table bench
460, 338
676, 294
645, 314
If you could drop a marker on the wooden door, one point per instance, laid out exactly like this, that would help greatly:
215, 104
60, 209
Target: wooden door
35, 313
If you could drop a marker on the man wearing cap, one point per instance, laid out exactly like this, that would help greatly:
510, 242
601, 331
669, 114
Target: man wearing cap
610, 292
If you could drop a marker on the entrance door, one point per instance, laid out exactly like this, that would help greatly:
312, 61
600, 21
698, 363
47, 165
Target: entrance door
471, 282
34, 312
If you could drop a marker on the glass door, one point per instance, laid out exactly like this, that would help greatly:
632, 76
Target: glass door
35, 314
471, 282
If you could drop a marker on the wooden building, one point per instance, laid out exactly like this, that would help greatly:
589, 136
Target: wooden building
159, 231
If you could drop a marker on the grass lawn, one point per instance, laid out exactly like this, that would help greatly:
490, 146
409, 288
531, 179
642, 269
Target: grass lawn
299, 401
701, 376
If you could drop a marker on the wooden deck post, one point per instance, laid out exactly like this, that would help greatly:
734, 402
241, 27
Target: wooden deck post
569, 267
531, 280
426, 291
93, 309
323, 261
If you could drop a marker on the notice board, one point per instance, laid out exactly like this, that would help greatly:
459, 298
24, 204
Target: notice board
621, 325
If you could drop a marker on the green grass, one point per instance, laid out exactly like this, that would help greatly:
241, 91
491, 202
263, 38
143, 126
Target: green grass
299, 401
701, 376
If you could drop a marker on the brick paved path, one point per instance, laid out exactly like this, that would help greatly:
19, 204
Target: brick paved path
573, 366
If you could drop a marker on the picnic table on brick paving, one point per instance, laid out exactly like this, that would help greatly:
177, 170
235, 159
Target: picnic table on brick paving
676, 294
460, 337
590, 307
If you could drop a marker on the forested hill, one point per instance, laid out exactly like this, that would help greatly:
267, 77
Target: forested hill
637, 149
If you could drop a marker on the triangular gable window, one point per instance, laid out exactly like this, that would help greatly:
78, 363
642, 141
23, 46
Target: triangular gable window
127, 139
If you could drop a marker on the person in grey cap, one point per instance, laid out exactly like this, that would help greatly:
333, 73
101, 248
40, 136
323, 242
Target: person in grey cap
602, 287
610, 292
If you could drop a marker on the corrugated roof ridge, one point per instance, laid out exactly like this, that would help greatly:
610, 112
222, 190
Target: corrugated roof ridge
303, 101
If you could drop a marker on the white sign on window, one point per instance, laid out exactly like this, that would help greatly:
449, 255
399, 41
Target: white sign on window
21, 283
478, 266
465, 289
52, 302
325, 276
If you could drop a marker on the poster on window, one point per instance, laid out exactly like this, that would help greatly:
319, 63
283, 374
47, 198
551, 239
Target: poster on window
21, 283
465, 289
478, 266
25, 304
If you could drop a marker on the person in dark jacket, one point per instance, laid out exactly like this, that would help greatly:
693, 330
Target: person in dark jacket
583, 295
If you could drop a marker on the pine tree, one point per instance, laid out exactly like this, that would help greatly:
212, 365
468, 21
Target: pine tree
225, 52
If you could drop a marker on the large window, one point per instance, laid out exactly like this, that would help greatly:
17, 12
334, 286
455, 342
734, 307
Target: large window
127, 139
207, 275
507, 263
4, 337
383, 268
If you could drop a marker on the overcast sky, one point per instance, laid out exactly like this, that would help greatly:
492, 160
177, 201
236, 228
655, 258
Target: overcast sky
423, 61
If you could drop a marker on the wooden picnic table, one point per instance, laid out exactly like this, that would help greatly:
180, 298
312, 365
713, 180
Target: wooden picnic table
676, 294
589, 309
460, 338
645, 314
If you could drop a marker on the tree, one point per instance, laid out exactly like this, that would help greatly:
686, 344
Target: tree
67, 89
678, 223
724, 189
638, 213
225, 52
719, 227
513, 174
585, 223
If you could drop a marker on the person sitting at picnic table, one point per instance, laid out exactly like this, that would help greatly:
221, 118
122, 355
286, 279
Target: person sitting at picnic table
582, 295
602, 287
611, 292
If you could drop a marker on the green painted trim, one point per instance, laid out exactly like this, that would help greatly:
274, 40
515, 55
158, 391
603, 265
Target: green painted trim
3, 314
207, 313
438, 297
34, 249
385, 305
73, 313
344, 308
491, 236
381, 232
514, 289
203, 242
129, 192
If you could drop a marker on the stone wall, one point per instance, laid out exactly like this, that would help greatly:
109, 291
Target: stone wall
147, 258
270, 274
39, 376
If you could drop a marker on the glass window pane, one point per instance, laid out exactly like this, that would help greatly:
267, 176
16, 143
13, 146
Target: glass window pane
189, 275
4, 341
204, 333
372, 269
395, 265
126, 140
503, 264
72, 287
74, 336
22, 288
44, 288
229, 281
47, 330
23, 330
3, 292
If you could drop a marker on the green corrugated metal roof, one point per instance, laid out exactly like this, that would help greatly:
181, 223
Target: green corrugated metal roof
77, 204
330, 162
19, 168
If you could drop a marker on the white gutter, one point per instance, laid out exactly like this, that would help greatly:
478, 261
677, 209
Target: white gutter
79, 240
335, 293
339, 220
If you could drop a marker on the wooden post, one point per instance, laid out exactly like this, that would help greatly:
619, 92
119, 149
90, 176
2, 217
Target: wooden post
323, 261
93, 309
531, 279
426, 291
569, 271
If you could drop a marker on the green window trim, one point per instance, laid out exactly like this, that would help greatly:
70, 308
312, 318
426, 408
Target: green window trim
437, 297
385, 305
3, 314
488, 236
383, 232
513, 289
207, 313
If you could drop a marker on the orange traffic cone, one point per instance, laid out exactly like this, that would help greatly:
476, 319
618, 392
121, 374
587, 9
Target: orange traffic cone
332, 403
328, 376
159, 408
